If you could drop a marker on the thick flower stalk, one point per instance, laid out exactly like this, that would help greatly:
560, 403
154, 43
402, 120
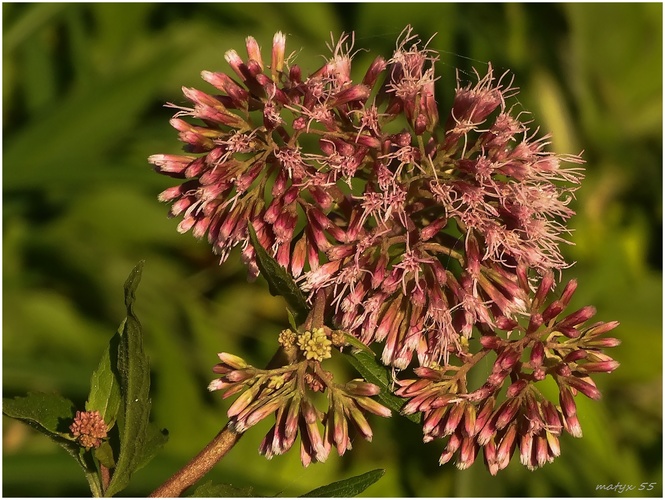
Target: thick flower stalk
419, 231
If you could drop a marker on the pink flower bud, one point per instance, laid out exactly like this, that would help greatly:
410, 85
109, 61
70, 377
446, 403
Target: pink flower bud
552, 417
278, 48
429, 231
506, 324
575, 355
350, 94
516, 388
603, 343
507, 359
586, 386
468, 453
602, 366
489, 457
569, 331
568, 292
567, 401
506, 446
544, 289
553, 310
254, 51
537, 355
236, 63
572, 426
377, 66
506, 412
600, 328
535, 322
453, 419
577, 318
526, 450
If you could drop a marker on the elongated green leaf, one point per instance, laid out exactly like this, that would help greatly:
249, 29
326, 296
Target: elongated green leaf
279, 280
210, 490
104, 384
134, 370
348, 487
363, 360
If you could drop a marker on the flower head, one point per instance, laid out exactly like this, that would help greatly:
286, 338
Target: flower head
89, 429
422, 232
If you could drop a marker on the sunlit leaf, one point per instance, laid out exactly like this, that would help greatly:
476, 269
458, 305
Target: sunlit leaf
50, 414
104, 385
211, 490
348, 487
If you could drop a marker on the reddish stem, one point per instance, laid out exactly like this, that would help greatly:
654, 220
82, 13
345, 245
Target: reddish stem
199, 466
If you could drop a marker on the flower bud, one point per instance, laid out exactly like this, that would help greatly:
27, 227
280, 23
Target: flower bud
568, 292
577, 318
537, 355
506, 412
586, 386
516, 388
546, 284
567, 402
552, 311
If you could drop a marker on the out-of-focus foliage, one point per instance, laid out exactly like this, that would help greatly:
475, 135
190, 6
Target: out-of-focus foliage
83, 89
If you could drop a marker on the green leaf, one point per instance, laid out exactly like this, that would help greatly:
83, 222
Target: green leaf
50, 414
210, 490
292, 320
105, 455
134, 370
279, 280
156, 438
348, 487
362, 358
104, 384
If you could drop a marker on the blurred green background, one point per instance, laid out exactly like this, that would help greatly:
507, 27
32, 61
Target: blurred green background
83, 93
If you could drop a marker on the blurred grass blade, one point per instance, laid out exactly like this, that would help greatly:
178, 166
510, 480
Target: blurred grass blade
279, 280
350, 487
362, 358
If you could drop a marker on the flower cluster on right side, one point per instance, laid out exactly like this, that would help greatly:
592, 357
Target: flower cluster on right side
438, 242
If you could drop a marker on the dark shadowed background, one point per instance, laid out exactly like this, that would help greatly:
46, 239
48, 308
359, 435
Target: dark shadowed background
83, 93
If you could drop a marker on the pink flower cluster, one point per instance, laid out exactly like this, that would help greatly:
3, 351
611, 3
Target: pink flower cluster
289, 392
89, 429
419, 233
